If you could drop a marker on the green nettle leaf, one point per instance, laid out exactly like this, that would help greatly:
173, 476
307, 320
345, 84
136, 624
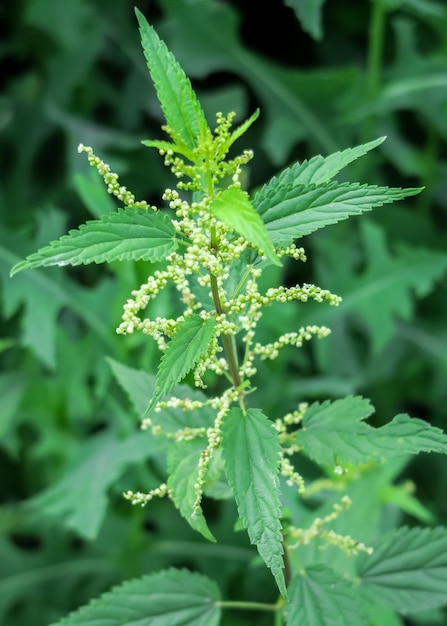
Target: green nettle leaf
318, 596
334, 432
128, 234
291, 211
319, 170
183, 468
233, 207
190, 342
182, 110
168, 598
251, 452
407, 570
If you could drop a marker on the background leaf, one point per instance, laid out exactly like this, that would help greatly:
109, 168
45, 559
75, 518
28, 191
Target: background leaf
80, 497
309, 14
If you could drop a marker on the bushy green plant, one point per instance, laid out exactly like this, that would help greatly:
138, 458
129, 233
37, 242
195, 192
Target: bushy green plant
214, 247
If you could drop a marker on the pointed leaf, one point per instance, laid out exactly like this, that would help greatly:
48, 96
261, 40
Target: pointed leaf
318, 171
168, 598
407, 570
168, 145
289, 211
183, 467
320, 597
238, 132
182, 110
251, 451
233, 207
334, 432
190, 342
128, 234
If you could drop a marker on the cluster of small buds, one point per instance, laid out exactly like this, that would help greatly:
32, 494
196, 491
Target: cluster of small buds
298, 254
271, 350
209, 362
293, 477
304, 536
321, 485
111, 180
303, 294
136, 497
214, 440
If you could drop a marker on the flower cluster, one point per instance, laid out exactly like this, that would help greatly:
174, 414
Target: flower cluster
111, 181
317, 530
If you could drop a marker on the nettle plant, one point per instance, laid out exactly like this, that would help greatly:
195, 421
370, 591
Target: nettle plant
216, 242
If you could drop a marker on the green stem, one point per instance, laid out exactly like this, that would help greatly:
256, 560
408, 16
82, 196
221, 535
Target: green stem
230, 353
228, 346
375, 49
373, 68
249, 606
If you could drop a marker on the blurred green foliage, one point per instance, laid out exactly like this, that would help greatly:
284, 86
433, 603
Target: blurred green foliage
325, 76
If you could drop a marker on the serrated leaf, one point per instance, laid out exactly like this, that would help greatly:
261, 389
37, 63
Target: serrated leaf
168, 598
289, 211
334, 432
179, 103
183, 467
251, 451
407, 570
233, 207
190, 341
318, 171
128, 234
318, 596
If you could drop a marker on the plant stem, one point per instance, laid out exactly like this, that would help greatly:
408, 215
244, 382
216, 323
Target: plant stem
249, 606
375, 48
229, 349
